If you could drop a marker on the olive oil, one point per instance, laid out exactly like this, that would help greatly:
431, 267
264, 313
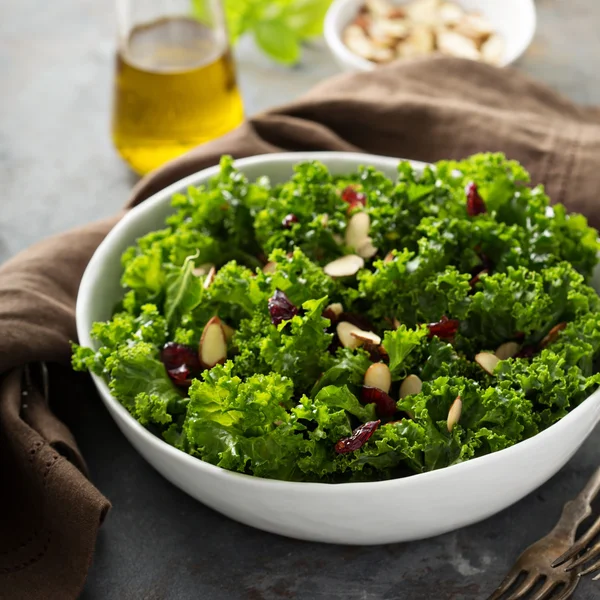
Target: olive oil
175, 89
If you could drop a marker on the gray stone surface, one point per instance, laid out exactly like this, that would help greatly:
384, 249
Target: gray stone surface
58, 169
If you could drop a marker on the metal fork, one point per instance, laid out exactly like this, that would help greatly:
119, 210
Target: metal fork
580, 546
537, 562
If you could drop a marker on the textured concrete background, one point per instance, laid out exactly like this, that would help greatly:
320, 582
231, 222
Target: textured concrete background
58, 169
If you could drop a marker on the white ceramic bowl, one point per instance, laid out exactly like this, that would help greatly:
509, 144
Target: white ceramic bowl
352, 513
514, 20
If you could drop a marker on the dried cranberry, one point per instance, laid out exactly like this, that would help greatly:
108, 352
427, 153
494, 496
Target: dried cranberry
475, 203
280, 308
384, 404
360, 436
445, 328
181, 362
351, 196
288, 221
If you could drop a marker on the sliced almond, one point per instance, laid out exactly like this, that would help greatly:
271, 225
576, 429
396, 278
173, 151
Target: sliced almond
552, 335
344, 331
358, 42
389, 257
454, 44
450, 13
213, 345
393, 29
209, 278
228, 331
336, 309
475, 27
492, 50
366, 336
487, 361
379, 8
366, 249
346, 266
202, 270
420, 42
357, 230
423, 11
454, 413
396, 323
270, 267
411, 386
507, 350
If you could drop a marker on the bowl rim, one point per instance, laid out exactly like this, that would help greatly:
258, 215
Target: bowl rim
333, 26
87, 289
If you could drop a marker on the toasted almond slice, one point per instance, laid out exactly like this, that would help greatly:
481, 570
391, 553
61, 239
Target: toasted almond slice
454, 413
474, 26
420, 42
346, 266
213, 345
366, 249
454, 44
344, 331
412, 385
358, 42
228, 331
450, 13
552, 335
389, 257
423, 11
396, 323
393, 29
507, 350
202, 270
492, 50
358, 229
366, 336
378, 376
270, 267
336, 308
487, 361
379, 8
209, 278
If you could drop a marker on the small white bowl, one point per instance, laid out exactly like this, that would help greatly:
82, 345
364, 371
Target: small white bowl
514, 20
381, 512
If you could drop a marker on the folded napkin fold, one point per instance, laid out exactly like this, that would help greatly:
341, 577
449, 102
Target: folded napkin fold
427, 110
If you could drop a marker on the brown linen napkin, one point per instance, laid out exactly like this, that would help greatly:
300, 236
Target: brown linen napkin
427, 110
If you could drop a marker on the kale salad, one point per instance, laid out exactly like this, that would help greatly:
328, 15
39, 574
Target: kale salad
355, 328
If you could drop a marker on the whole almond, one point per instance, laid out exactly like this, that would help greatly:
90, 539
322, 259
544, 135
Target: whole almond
411, 386
487, 361
357, 230
454, 413
378, 376
213, 345
346, 266
507, 350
